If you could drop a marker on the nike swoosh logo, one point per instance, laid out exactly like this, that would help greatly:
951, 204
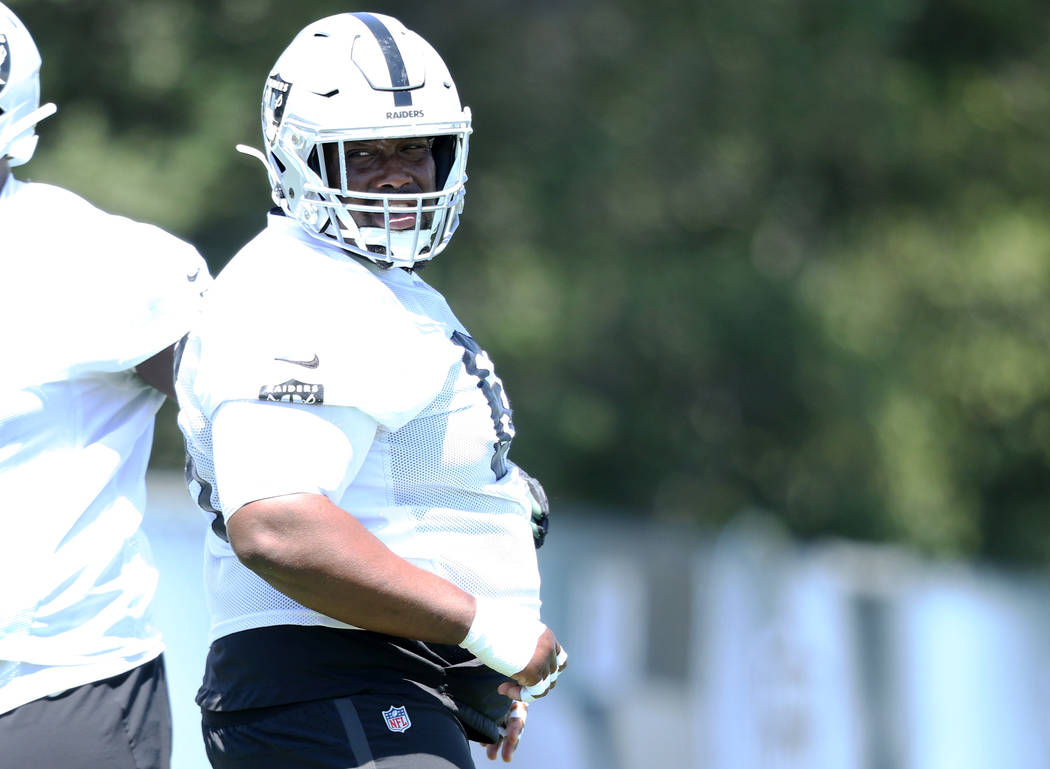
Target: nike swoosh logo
192, 277
312, 363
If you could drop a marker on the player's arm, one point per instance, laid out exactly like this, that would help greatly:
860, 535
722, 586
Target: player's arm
312, 551
279, 467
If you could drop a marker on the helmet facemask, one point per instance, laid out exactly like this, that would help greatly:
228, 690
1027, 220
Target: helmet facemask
20, 108
326, 204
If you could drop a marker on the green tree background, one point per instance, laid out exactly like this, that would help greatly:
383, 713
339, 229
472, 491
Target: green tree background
782, 255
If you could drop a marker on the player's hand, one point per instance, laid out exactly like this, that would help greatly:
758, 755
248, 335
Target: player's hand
510, 733
540, 675
504, 636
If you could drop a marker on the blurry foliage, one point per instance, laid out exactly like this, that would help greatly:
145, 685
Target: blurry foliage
792, 255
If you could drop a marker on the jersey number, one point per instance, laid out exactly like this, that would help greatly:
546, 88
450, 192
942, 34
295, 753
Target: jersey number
477, 363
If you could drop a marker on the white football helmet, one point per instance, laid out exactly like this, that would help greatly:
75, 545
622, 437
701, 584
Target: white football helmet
361, 77
20, 108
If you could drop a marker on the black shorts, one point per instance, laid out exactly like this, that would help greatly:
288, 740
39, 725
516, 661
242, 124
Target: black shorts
122, 722
403, 727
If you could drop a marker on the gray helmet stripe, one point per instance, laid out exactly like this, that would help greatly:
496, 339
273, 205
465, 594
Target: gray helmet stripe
394, 62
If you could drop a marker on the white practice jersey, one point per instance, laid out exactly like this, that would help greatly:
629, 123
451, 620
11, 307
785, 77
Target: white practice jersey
314, 371
85, 297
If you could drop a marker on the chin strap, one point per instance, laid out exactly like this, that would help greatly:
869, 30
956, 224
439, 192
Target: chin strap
9, 135
275, 182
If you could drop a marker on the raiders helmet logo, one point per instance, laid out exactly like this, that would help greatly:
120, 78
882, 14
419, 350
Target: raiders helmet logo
275, 98
5, 61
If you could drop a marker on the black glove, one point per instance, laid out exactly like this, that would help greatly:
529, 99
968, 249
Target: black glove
541, 510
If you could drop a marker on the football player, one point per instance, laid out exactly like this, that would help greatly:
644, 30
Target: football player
371, 561
91, 305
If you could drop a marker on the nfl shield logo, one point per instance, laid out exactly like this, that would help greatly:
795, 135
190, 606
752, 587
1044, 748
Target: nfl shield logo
397, 719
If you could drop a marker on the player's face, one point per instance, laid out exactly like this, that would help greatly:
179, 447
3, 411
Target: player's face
386, 166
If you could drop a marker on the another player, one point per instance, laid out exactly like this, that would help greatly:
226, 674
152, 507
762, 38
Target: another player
91, 306
371, 563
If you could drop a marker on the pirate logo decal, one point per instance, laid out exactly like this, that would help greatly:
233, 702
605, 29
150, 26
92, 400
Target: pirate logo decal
5, 61
275, 97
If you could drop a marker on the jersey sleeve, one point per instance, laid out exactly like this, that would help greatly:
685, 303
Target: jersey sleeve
150, 298
107, 298
271, 450
324, 338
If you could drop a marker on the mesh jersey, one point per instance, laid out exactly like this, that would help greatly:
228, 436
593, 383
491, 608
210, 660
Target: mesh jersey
76, 428
291, 321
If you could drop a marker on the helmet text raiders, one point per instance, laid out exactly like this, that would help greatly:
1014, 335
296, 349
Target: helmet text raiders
20, 108
363, 77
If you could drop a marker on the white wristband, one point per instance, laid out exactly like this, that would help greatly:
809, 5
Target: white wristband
503, 636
